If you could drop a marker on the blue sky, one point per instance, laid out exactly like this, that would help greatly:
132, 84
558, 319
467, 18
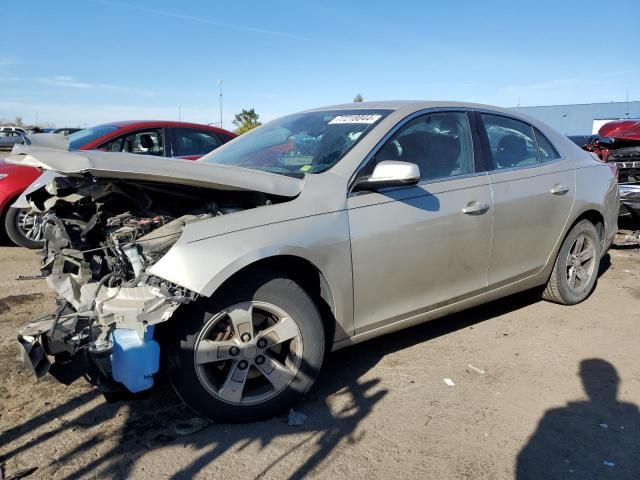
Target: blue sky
86, 62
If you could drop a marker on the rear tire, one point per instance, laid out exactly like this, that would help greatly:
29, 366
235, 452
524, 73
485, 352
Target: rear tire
247, 353
23, 234
576, 269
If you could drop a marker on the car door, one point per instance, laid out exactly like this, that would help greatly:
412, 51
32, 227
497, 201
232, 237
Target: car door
192, 143
533, 191
418, 247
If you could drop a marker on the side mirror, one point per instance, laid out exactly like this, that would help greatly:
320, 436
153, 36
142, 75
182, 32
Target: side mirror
390, 173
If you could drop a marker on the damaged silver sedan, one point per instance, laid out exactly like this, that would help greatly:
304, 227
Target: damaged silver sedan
237, 273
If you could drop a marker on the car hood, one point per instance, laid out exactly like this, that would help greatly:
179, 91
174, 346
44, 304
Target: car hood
621, 129
157, 169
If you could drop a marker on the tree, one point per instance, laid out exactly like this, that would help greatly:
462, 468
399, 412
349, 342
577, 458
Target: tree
18, 121
358, 98
246, 120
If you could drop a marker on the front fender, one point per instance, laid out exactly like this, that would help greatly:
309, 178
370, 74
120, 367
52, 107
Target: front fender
323, 240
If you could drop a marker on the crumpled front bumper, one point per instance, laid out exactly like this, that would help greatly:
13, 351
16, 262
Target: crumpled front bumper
111, 343
34, 358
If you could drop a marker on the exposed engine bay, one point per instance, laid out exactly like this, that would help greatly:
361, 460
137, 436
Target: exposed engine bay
101, 236
618, 142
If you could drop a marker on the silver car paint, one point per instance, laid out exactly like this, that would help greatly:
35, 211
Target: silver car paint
404, 223
388, 263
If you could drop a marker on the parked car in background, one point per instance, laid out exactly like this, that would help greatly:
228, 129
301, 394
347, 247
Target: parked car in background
160, 138
313, 232
8, 138
12, 129
618, 143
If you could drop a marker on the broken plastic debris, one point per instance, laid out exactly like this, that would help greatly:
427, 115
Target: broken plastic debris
481, 371
190, 426
609, 464
296, 418
604, 425
449, 382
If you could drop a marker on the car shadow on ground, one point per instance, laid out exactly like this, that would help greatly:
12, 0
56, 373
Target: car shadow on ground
150, 421
593, 439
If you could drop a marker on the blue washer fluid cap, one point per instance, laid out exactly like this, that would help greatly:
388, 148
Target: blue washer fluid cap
134, 360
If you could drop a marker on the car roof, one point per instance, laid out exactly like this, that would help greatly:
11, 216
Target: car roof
411, 105
162, 123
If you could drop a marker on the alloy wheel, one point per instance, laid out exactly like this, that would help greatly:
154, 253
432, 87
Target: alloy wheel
31, 225
581, 263
249, 353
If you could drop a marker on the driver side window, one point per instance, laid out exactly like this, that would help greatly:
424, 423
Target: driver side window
439, 143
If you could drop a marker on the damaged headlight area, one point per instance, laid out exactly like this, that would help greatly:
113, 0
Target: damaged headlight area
101, 236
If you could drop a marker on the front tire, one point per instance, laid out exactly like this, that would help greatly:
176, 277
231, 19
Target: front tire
248, 352
24, 228
576, 269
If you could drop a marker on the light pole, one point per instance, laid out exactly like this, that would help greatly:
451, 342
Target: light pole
220, 97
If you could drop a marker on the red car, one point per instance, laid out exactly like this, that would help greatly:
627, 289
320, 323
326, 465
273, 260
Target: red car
166, 139
618, 142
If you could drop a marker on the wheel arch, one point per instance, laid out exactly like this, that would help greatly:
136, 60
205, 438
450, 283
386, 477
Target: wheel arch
304, 272
595, 217
3, 214
591, 214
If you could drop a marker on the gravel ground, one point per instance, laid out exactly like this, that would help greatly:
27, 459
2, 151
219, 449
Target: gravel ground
534, 396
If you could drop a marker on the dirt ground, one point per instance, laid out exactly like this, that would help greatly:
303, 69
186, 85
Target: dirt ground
545, 406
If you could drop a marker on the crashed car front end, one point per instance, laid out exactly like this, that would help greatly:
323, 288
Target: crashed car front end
618, 143
103, 233
95, 259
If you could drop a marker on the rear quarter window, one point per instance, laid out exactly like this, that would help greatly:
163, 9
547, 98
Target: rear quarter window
547, 151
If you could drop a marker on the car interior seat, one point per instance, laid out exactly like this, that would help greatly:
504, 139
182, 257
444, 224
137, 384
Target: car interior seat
511, 150
389, 151
435, 154
443, 153
146, 142
414, 149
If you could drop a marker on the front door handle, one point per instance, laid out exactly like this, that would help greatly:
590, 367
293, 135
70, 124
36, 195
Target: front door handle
559, 189
475, 208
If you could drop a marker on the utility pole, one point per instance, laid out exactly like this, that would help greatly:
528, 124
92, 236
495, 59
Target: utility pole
627, 103
220, 96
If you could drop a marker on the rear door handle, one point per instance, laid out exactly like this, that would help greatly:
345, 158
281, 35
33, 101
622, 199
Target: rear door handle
559, 189
475, 208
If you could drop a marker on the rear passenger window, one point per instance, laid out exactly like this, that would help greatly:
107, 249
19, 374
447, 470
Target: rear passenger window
547, 151
439, 143
512, 142
190, 142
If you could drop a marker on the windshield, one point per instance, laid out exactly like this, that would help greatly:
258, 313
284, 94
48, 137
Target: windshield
79, 139
309, 142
